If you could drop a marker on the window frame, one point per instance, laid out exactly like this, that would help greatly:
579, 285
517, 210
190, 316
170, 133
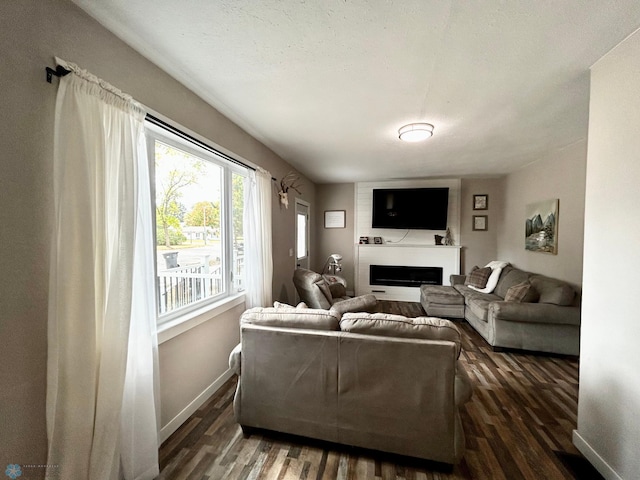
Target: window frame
179, 139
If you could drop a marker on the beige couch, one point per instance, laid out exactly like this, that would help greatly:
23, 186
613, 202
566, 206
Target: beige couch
377, 381
550, 323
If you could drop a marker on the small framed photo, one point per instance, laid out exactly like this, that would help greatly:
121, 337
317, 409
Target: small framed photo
480, 222
364, 240
481, 202
334, 218
377, 240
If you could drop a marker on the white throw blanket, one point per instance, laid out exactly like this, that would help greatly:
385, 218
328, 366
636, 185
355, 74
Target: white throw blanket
496, 268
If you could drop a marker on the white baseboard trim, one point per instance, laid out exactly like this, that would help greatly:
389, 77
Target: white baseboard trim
178, 420
596, 460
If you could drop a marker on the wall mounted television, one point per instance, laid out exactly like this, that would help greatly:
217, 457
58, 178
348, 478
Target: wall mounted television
410, 208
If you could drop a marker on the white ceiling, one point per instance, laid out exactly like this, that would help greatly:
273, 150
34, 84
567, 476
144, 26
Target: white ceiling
327, 83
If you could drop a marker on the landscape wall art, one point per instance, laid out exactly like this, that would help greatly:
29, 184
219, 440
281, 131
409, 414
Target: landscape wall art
541, 227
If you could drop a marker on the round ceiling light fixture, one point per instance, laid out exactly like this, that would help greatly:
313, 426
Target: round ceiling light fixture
415, 132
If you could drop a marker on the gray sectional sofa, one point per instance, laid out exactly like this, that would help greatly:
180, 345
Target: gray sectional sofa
377, 381
550, 324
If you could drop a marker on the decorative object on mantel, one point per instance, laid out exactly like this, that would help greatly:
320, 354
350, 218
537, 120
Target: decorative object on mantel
481, 202
480, 223
448, 239
541, 226
334, 218
377, 240
290, 180
438, 239
364, 240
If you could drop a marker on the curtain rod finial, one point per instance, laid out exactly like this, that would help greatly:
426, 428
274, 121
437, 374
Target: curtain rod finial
60, 71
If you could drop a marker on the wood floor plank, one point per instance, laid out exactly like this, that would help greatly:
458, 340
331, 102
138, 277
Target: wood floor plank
523, 410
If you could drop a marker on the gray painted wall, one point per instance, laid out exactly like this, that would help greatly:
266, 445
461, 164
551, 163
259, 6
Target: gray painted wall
561, 175
32, 32
336, 240
609, 399
479, 247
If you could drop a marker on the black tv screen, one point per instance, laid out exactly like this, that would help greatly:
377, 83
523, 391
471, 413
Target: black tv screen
411, 208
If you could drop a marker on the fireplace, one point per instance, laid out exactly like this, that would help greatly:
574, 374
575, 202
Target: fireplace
404, 276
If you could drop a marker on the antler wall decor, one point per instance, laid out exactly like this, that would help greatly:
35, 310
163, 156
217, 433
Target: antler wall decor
290, 180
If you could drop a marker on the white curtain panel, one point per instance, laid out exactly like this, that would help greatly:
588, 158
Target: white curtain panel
102, 349
258, 248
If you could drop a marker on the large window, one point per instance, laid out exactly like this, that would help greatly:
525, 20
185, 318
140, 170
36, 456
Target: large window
199, 199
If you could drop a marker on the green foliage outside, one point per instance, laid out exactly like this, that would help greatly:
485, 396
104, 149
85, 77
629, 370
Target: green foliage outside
175, 238
204, 214
176, 170
168, 194
237, 197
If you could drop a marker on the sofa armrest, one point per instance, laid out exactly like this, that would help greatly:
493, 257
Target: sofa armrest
457, 279
462, 386
534, 313
363, 303
235, 359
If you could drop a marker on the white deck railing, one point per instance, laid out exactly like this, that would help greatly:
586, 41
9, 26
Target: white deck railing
181, 286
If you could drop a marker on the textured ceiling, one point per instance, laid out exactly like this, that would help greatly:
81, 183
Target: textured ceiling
326, 84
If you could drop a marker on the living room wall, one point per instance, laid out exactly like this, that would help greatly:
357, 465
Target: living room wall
339, 196
560, 175
479, 248
32, 32
608, 432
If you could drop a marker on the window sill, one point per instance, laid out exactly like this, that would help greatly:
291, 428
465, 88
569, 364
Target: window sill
178, 326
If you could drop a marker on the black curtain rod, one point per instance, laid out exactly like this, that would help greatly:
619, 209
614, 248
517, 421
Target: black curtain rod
60, 71
186, 136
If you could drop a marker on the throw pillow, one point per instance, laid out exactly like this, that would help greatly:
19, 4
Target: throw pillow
478, 277
522, 292
496, 269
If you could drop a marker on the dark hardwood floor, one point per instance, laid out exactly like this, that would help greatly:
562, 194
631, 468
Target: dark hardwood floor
518, 425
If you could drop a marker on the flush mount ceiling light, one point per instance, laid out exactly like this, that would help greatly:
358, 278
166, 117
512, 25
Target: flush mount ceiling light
415, 132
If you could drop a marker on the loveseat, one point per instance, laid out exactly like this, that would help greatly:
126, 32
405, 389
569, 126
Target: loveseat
545, 319
371, 380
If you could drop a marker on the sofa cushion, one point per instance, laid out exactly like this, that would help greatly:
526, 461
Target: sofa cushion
388, 325
478, 277
480, 307
553, 291
510, 276
469, 294
441, 295
522, 292
305, 318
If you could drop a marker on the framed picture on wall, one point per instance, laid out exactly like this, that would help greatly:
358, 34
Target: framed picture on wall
541, 226
480, 222
481, 202
335, 218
